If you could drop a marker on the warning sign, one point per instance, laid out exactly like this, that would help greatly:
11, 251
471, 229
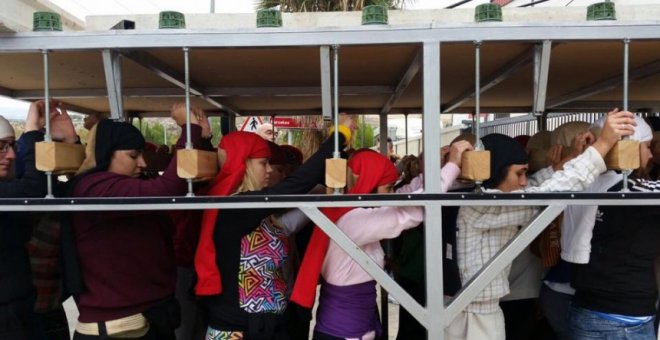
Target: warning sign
286, 123
251, 124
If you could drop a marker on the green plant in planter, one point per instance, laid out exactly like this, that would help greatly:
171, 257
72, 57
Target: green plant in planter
269, 18
171, 19
375, 12
46, 21
601, 11
488, 12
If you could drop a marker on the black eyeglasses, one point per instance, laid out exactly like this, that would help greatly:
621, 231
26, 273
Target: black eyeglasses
5, 145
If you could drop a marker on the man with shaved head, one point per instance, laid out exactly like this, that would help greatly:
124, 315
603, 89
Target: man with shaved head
267, 132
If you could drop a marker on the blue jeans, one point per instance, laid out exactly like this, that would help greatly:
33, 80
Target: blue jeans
583, 324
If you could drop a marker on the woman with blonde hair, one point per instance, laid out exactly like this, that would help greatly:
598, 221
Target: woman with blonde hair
248, 300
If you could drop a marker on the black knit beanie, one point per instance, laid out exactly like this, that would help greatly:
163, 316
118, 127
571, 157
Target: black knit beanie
112, 136
504, 151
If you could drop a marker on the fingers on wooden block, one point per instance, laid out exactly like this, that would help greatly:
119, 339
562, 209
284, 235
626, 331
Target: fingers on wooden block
623, 156
59, 157
335, 173
196, 164
475, 165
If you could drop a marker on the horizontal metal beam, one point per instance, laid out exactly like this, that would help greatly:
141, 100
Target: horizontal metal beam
279, 91
292, 201
294, 91
493, 79
406, 78
268, 113
637, 73
607, 105
76, 108
130, 39
171, 75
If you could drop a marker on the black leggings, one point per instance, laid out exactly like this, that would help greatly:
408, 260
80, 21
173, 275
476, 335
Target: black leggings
323, 336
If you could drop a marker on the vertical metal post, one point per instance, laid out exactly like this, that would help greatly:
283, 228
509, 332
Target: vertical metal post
272, 124
112, 69
335, 94
212, 6
48, 137
477, 94
384, 134
326, 83
435, 310
189, 144
477, 101
232, 122
542, 52
363, 127
626, 54
405, 120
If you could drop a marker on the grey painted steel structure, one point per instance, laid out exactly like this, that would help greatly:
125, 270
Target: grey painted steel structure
430, 36
48, 137
541, 74
112, 68
328, 36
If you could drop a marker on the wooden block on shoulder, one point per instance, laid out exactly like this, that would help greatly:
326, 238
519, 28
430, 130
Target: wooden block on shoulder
196, 164
475, 165
623, 156
335, 173
59, 157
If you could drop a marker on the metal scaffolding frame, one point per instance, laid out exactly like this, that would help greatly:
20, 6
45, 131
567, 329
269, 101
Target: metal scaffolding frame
436, 315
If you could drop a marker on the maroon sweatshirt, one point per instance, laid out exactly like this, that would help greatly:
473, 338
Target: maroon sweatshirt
126, 257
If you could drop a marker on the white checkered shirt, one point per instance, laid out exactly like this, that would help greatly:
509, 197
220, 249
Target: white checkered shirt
483, 231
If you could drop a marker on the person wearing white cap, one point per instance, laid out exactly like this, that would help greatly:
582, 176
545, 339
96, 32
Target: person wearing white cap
16, 289
7, 154
613, 249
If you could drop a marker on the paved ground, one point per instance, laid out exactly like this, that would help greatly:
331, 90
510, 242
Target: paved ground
72, 315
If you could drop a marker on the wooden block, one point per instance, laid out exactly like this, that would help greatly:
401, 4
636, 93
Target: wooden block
475, 165
196, 164
623, 156
335, 173
59, 157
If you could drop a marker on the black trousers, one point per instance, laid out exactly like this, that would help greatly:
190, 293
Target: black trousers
53, 324
409, 327
17, 320
519, 318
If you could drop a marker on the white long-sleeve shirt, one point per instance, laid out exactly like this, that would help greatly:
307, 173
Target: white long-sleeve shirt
577, 228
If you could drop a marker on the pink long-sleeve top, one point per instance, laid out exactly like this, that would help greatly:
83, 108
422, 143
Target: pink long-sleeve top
367, 226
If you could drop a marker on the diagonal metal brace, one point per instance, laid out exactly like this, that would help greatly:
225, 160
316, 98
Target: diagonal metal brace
502, 259
362, 259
